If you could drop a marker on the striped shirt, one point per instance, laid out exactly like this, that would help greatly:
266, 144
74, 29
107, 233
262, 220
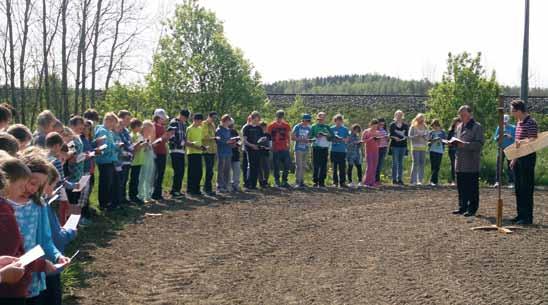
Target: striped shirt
527, 128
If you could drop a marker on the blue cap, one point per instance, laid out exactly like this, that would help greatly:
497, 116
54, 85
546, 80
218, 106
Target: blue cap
307, 117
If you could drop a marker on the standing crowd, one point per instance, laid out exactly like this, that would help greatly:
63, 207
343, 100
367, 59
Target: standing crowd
45, 169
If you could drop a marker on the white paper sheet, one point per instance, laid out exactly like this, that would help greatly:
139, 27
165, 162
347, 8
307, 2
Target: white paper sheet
81, 157
102, 147
82, 183
72, 222
53, 199
32, 255
157, 141
453, 140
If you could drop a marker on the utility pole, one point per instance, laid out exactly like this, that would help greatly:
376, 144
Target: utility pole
525, 64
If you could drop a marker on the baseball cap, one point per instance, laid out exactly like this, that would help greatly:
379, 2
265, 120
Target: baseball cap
307, 117
161, 113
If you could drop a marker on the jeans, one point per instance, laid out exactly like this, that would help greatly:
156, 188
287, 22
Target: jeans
300, 166
417, 168
223, 172
524, 171
509, 171
283, 158
53, 294
108, 186
338, 159
178, 164
468, 188
398, 153
453, 158
380, 164
264, 168
254, 162
134, 181
124, 175
160, 162
359, 170
435, 163
194, 174
319, 162
209, 160
235, 175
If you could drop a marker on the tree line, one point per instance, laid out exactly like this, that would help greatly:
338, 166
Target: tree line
55, 54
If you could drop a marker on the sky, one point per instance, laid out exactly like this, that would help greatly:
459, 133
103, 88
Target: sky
292, 39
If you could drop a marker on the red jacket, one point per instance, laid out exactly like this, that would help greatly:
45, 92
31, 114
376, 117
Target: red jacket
11, 244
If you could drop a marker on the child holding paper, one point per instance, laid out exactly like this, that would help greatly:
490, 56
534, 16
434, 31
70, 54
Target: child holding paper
224, 153
437, 135
108, 183
17, 175
354, 154
33, 219
89, 168
61, 237
75, 165
137, 141
371, 138
147, 172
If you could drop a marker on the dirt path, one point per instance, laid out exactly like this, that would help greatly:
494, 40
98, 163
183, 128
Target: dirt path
395, 246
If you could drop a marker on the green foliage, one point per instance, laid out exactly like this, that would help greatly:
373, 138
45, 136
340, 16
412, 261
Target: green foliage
197, 68
130, 97
351, 84
465, 83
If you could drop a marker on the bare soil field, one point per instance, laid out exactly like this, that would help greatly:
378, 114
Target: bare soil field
389, 246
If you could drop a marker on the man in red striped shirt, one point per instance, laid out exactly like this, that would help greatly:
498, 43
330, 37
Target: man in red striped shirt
524, 167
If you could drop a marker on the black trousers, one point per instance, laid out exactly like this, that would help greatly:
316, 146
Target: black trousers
264, 168
435, 164
254, 160
108, 186
194, 174
245, 165
178, 164
319, 163
338, 159
13, 301
124, 176
359, 169
524, 171
281, 158
53, 294
160, 162
209, 161
453, 158
134, 181
468, 188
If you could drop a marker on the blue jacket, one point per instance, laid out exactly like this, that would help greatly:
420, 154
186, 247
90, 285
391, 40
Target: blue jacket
223, 149
61, 237
340, 133
508, 129
110, 154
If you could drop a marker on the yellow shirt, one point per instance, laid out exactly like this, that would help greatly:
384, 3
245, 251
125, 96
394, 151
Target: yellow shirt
194, 135
209, 132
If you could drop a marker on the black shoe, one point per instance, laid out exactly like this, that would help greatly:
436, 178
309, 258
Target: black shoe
468, 214
343, 185
401, 183
210, 193
286, 185
316, 185
195, 193
394, 182
137, 201
515, 219
176, 194
458, 212
524, 222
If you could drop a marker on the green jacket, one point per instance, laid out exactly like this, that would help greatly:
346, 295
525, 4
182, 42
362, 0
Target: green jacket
318, 128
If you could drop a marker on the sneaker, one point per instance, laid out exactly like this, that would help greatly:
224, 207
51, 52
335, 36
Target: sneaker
210, 193
343, 186
511, 186
316, 185
419, 183
351, 184
496, 185
453, 184
360, 184
176, 194
433, 184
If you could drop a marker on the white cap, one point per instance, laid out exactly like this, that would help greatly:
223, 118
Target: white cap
161, 113
506, 118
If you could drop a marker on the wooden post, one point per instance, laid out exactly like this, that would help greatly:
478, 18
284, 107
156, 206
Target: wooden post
498, 225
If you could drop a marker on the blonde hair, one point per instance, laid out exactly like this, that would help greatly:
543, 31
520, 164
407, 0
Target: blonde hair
415, 121
110, 116
399, 112
45, 119
147, 124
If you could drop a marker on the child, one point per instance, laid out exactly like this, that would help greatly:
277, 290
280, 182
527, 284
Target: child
108, 183
33, 219
55, 147
194, 149
61, 238
383, 148
321, 134
265, 146
6, 115
371, 139
436, 150
45, 124
127, 152
418, 135
177, 151
137, 141
22, 134
300, 136
398, 146
252, 132
119, 163
280, 132
89, 168
160, 151
14, 291
9, 144
208, 128
75, 168
148, 168
354, 155
452, 149
224, 153
338, 151
245, 160
235, 160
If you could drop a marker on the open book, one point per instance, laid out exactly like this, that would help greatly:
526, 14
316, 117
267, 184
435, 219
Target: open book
82, 183
454, 140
